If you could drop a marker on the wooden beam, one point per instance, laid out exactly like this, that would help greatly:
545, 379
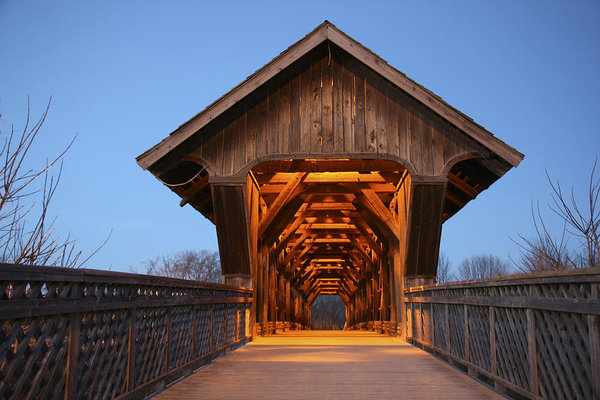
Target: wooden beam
282, 199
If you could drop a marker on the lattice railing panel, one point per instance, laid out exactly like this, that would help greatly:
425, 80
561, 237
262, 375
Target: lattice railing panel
479, 336
151, 339
243, 322
563, 355
181, 335
439, 325
511, 345
219, 327
103, 354
202, 330
534, 335
232, 315
33, 357
456, 315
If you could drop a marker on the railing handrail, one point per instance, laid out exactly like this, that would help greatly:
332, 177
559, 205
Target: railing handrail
61, 274
580, 275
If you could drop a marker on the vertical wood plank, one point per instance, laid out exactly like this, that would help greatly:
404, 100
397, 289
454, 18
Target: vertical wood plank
250, 128
262, 128
295, 129
305, 110
73, 351
283, 118
383, 120
371, 116
338, 105
327, 106
415, 141
348, 109
273, 122
403, 121
359, 113
316, 107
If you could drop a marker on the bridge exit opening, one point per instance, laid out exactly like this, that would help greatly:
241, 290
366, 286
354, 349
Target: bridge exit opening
327, 312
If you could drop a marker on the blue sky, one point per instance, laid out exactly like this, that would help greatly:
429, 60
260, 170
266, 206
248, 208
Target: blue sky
123, 74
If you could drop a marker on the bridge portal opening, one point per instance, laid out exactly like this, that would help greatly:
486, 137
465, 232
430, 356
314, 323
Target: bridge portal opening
325, 227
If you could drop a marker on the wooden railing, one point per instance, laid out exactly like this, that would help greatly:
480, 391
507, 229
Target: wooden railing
529, 335
88, 334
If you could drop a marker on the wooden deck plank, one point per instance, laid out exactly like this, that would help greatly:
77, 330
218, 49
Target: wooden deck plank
328, 365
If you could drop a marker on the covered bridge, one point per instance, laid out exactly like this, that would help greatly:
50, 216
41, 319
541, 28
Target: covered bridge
328, 171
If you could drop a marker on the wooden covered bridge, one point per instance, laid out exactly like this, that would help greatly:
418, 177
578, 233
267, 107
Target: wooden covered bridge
325, 172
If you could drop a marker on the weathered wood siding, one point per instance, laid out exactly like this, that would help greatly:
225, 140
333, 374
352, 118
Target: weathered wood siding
322, 106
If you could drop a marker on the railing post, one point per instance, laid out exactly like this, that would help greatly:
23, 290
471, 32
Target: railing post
532, 354
194, 322
492, 324
211, 328
225, 312
431, 326
73, 351
131, 350
594, 335
168, 342
447, 312
467, 347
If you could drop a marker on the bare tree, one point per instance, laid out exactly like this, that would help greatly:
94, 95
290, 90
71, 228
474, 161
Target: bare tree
27, 233
545, 252
202, 265
327, 312
482, 266
444, 269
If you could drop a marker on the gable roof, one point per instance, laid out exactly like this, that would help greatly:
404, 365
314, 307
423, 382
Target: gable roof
328, 31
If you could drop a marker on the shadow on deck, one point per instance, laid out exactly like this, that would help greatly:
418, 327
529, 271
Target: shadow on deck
328, 365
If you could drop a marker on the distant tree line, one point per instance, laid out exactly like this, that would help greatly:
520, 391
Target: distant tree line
197, 265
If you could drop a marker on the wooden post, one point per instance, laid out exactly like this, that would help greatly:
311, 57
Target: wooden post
594, 335
532, 355
467, 347
225, 312
168, 342
73, 351
431, 324
447, 312
193, 344
493, 355
211, 326
131, 350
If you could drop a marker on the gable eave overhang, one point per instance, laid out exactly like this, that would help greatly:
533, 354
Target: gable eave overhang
328, 31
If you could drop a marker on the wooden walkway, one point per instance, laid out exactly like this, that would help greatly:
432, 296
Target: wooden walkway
328, 365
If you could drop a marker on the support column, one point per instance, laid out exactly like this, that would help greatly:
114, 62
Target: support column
232, 223
425, 229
